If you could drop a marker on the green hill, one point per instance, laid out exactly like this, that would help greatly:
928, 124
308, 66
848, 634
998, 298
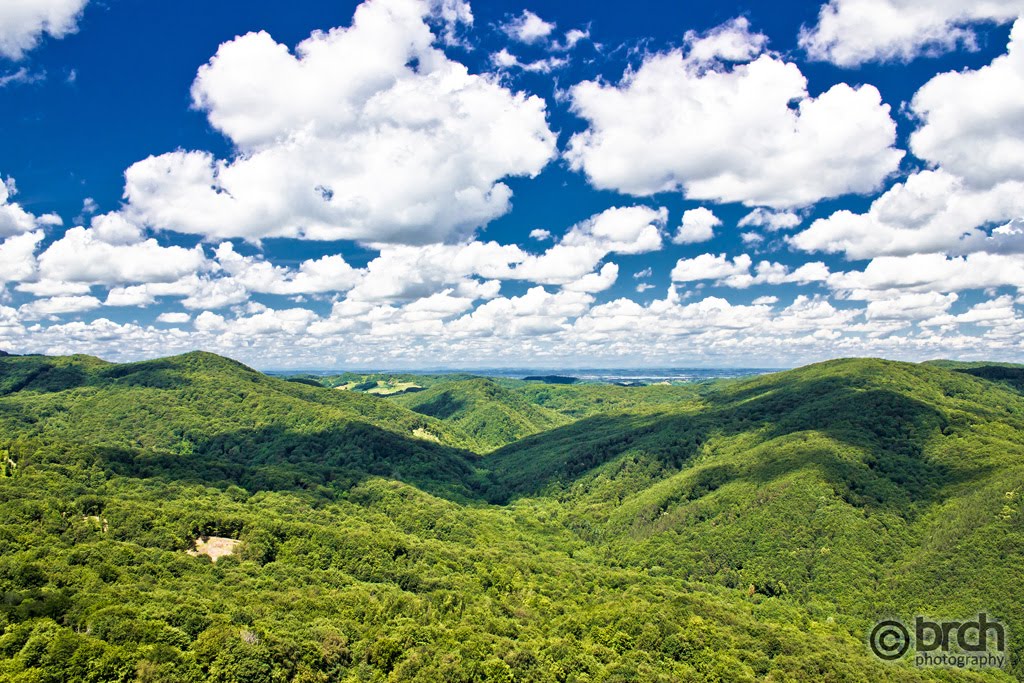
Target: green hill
201, 417
860, 486
488, 414
740, 530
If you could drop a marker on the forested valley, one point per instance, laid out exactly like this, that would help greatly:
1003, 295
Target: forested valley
478, 529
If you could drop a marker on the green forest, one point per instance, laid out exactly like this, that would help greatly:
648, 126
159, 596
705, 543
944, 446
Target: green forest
478, 529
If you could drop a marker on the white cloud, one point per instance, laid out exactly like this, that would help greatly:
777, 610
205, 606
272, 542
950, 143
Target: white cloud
82, 256
17, 256
973, 199
21, 76
736, 273
58, 305
772, 220
972, 122
765, 300
365, 133
503, 59
595, 282
173, 317
405, 272
14, 219
851, 32
698, 226
710, 267
618, 230
528, 28
747, 133
930, 273
732, 42
572, 38
540, 234
994, 312
931, 211
910, 306
538, 312
24, 22
327, 274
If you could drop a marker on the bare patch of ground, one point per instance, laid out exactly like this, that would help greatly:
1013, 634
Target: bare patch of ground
215, 547
421, 433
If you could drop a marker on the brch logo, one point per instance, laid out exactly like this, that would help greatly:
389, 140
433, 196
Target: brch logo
889, 640
976, 644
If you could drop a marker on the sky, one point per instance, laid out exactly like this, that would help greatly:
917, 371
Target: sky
431, 183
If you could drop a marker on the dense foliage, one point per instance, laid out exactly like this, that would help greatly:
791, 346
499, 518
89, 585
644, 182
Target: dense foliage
490, 415
740, 530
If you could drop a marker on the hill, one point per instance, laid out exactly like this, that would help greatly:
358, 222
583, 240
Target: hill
739, 530
860, 486
488, 414
201, 417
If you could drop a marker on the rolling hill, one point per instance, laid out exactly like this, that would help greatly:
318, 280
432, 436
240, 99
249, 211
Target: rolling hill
737, 530
202, 417
488, 414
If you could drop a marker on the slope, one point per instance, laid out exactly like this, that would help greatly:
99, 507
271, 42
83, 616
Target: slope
488, 414
862, 487
203, 417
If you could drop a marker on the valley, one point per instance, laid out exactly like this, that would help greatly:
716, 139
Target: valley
492, 529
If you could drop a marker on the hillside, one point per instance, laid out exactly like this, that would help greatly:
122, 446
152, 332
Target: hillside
491, 415
201, 417
737, 530
863, 485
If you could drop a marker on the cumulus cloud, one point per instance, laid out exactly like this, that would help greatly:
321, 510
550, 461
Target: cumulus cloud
537, 312
13, 218
475, 268
736, 272
972, 199
23, 23
930, 273
403, 273
972, 122
17, 256
732, 41
327, 274
618, 230
528, 28
746, 132
910, 306
930, 211
698, 225
58, 305
81, 255
174, 317
772, 220
710, 267
852, 32
364, 133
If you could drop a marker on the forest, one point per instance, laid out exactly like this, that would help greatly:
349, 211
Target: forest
480, 529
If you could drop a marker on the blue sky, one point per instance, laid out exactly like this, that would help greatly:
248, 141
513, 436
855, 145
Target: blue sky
407, 183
